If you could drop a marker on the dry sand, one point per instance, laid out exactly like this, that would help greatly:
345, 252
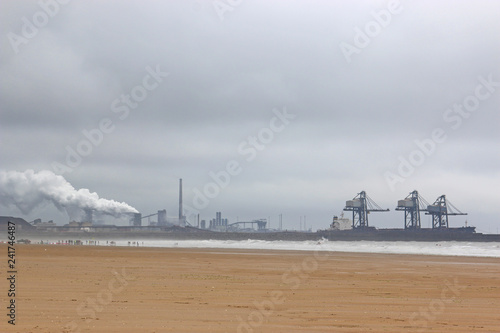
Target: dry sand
133, 289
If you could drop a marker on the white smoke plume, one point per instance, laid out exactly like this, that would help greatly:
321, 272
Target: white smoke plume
29, 189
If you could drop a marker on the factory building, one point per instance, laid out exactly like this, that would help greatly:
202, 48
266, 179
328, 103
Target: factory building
136, 220
162, 217
218, 223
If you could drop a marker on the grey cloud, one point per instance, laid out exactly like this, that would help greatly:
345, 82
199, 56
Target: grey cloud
225, 77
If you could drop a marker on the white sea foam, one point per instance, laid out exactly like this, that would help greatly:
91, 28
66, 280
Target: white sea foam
476, 249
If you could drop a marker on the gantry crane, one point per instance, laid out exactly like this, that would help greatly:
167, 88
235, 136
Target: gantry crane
361, 205
440, 210
412, 205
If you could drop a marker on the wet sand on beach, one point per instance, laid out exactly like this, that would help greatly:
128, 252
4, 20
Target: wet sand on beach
62, 288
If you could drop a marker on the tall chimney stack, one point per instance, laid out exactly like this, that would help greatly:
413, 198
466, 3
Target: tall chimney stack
180, 200
88, 215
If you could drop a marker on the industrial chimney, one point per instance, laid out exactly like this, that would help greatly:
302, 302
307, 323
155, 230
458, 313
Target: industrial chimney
180, 200
88, 215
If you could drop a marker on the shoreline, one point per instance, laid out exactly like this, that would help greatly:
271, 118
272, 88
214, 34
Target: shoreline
444, 248
424, 235
258, 251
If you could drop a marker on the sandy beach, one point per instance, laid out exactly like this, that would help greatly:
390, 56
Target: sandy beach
134, 289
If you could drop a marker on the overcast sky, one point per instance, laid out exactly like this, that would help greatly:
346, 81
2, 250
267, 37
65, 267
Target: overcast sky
309, 102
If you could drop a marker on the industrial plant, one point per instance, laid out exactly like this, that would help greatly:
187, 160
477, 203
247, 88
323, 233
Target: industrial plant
218, 223
343, 228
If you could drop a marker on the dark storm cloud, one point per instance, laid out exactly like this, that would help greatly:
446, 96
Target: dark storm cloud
225, 77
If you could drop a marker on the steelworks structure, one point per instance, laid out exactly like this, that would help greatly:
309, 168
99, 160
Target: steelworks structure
181, 213
361, 205
261, 224
412, 205
440, 210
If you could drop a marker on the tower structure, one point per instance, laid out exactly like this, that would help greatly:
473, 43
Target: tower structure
440, 210
361, 205
181, 217
412, 205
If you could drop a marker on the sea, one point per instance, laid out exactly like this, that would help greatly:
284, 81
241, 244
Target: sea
448, 248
